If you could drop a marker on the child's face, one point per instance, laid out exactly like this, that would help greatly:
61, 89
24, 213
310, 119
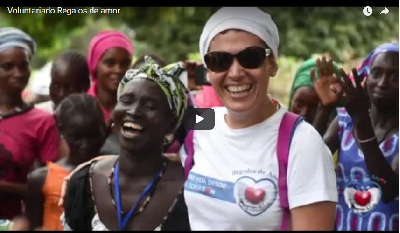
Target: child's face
84, 137
65, 81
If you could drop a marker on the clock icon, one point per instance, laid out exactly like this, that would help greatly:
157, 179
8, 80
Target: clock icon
367, 11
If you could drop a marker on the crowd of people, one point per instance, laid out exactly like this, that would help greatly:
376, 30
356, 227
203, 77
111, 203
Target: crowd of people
112, 148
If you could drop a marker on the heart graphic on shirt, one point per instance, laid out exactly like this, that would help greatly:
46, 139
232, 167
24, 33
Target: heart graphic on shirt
362, 198
255, 196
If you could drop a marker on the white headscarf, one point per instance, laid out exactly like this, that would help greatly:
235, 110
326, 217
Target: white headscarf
249, 19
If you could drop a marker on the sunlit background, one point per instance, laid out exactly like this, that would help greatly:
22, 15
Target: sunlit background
343, 33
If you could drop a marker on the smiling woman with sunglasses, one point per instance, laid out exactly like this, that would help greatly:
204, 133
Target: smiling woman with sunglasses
235, 182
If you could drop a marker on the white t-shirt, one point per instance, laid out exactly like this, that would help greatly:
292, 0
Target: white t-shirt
40, 80
233, 184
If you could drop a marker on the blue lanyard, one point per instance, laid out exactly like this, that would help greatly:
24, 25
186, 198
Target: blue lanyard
122, 222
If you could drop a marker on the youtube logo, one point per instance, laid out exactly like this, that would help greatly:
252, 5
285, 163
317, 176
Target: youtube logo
199, 119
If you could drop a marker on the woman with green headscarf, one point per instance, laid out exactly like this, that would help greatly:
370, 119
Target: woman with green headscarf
304, 100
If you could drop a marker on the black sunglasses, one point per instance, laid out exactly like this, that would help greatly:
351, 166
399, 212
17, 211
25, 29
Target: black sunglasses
248, 58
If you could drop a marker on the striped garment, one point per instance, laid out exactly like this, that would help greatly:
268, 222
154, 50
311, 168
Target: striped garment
365, 67
168, 80
11, 37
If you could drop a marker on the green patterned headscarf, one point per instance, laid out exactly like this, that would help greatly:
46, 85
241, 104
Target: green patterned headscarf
168, 80
302, 77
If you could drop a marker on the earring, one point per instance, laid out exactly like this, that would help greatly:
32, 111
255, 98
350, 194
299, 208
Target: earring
112, 125
168, 138
267, 52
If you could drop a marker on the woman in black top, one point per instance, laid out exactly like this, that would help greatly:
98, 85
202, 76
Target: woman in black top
140, 182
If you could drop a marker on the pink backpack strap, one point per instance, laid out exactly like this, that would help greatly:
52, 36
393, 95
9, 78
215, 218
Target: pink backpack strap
286, 132
189, 148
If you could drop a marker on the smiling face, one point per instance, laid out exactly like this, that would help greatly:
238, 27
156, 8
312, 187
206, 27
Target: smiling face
241, 89
112, 67
14, 71
142, 116
383, 82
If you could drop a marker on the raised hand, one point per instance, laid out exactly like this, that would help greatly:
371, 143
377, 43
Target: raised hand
325, 82
354, 97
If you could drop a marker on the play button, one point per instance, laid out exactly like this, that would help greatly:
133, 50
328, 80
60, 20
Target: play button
199, 118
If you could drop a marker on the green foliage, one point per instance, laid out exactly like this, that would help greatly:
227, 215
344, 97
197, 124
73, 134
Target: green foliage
343, 32
194, 56
173, 32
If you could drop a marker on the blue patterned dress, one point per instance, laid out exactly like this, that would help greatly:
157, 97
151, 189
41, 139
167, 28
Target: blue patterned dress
360, 206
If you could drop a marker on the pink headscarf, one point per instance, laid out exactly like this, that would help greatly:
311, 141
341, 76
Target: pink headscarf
99, 44
103, 41
207, 98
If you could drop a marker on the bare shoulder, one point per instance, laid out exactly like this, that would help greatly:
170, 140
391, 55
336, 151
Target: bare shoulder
104, 166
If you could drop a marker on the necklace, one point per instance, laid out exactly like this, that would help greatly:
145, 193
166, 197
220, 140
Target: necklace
123, 218
16, 111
